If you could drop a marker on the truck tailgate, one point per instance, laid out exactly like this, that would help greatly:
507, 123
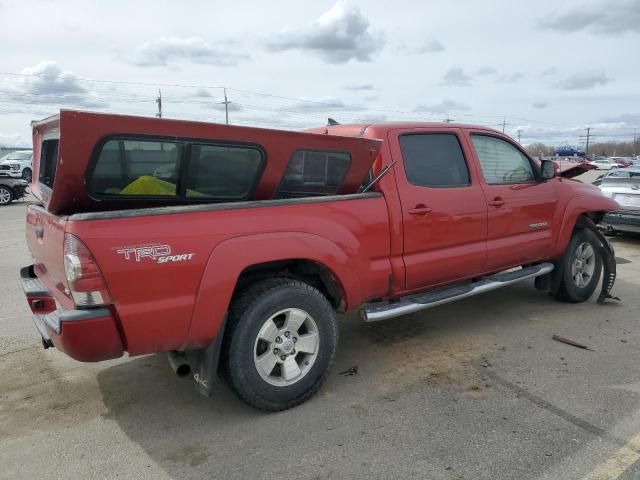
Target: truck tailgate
45, 238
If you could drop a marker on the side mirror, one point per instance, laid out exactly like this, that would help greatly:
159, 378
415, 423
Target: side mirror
548, 169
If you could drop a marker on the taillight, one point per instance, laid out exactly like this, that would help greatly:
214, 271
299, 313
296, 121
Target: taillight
84, 279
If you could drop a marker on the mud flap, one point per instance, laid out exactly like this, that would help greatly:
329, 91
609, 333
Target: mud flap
205, 364
608, 260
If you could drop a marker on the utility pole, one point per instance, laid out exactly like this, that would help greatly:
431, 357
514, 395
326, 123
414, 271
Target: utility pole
587, 137
448, 119
504, 123
519, 132
159, 102
226, 107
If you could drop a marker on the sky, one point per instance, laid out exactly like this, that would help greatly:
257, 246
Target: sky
543, 70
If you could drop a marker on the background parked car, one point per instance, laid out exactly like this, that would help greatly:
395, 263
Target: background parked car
603, 164
568, 151
623, 162
17, 165
623, 185
12, 189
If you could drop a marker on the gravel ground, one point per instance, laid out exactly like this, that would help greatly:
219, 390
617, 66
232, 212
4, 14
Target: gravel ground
471, 390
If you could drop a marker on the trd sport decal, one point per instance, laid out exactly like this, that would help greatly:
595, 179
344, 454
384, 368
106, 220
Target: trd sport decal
156, 253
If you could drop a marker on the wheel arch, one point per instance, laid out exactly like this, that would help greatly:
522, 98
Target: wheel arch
590, 207
297, 255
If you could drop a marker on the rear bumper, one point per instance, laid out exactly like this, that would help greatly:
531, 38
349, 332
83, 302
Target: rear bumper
623, 220
89, 335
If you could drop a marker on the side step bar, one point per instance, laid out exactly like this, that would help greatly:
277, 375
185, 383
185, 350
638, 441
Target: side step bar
422, 301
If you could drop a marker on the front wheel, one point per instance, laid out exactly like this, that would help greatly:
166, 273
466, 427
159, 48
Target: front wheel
581, 267
6, 195
26, 174
279, 345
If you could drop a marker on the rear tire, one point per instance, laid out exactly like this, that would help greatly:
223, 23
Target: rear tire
279, 344
581, 267
6, 195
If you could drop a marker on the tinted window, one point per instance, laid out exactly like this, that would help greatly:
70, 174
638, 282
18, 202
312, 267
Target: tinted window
225, 172
312, 172
48, 162
135, 167
501, 162
434, 160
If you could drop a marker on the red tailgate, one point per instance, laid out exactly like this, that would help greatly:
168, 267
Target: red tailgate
45, 238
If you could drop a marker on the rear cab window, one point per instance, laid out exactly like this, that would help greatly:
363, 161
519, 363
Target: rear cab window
174, 170
434, 160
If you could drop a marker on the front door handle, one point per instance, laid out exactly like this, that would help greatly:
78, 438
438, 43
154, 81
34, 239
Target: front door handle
419, 210
497, 202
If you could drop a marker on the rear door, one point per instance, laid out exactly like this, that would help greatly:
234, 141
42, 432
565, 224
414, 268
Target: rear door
520, 205
443, 209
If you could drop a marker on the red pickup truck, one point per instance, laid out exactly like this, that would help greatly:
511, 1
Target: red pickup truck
233, 248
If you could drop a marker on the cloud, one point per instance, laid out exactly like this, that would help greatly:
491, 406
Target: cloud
202, 92
429, 46
168, 50
624, 119
547, 72
510, 77
539, 104
340, 34
233, 107
323, 105
583, 81
357, 87
371, 98
456, 77
13, 140
483, 71
47, 84
606, 18
445, 106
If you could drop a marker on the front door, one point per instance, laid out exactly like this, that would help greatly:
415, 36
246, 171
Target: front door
443, 208
520, 204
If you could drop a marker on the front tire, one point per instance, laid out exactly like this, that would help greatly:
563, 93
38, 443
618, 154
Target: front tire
6, 195
581, 267
279, 345
27, 174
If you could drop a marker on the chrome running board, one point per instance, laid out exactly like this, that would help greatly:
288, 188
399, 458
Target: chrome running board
422, 301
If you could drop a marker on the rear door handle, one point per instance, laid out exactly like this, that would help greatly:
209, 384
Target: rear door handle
497, 202
419, 210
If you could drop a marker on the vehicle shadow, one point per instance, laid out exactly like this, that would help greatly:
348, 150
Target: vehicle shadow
191, 436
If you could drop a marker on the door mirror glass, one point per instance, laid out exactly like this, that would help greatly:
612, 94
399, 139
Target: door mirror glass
548, 169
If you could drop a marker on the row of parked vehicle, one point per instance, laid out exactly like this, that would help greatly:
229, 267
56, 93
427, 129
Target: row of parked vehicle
607, 163
16, 171
623, 186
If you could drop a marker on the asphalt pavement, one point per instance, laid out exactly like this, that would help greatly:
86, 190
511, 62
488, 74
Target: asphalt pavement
476, 390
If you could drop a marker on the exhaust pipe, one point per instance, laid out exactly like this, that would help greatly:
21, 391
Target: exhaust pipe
179, 363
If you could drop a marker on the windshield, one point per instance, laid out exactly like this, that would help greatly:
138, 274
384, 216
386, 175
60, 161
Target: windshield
16, 156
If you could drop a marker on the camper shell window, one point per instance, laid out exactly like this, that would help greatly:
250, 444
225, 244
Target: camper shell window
178, 170
314, 173
48, 162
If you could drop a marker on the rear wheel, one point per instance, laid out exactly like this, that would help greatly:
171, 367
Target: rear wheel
6, 195
279, 345
581, 267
